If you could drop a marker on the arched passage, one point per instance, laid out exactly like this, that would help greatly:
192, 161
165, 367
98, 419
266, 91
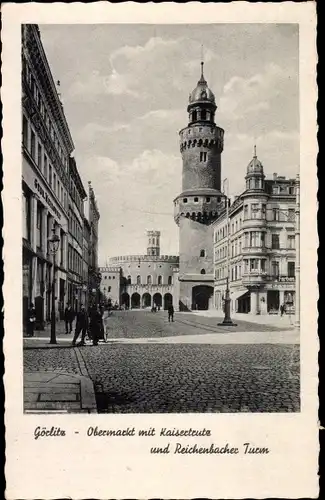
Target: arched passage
135, 301
168, 300
146, 300
125, 300
202, 297
157, 299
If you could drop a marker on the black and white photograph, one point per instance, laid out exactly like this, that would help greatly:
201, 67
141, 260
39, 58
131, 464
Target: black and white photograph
160, 250
160, 179
161, 240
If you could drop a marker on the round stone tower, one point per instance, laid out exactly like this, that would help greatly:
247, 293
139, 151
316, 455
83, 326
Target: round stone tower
200, 202
153, 243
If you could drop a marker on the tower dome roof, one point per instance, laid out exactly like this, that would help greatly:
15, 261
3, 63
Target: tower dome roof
255, 166
201, 91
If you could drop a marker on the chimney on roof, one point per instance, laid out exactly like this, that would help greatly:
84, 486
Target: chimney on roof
275, 176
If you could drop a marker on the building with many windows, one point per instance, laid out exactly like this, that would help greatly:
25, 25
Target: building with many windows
77, 195
93, 216
260, 251
46, 148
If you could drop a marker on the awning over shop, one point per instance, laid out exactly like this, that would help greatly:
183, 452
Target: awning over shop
240, 294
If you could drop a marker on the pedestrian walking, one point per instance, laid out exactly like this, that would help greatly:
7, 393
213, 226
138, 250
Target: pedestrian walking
282, 309
31, 318
170, 313
81, 326
68, 318
95, 324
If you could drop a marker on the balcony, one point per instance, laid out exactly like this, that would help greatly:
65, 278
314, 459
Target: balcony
254, 278
254, 250
257, 278
254, 223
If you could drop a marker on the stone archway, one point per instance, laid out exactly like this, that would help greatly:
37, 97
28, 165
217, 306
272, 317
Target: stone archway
168, 300
146, 300
135, 301
157, 299
201, 297
125, 300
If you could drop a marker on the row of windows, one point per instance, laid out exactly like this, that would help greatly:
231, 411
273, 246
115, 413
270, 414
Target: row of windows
75, 228
253, 265
76, 196
196, 199
44, 111
75, 261
38, 154
149, 280
254, 239
109, 277
258, 211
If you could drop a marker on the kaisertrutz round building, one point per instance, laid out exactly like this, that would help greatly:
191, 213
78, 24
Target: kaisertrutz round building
200, 202
145, 280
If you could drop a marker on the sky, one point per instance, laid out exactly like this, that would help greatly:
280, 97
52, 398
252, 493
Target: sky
125, 92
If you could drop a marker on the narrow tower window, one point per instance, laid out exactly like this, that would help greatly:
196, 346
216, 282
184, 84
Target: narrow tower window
196, 200
194, 116
202, 253
202, 271
203, 114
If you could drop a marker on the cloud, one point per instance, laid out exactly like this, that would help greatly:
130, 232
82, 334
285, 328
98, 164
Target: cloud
243, 96
134, 197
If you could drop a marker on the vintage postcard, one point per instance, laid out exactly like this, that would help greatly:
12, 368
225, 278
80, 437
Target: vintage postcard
160, 250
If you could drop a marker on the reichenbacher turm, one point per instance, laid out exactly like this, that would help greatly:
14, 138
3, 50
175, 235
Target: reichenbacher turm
200, 202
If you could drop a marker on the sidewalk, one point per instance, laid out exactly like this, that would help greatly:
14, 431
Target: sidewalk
276, 320
46, 392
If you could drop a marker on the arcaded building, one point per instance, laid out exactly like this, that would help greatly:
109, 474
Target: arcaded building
144, 280
200, 202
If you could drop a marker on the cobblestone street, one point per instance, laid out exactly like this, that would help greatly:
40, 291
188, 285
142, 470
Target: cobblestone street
187, 377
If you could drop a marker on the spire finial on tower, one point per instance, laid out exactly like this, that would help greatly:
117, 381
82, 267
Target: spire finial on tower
255, 151
202, 62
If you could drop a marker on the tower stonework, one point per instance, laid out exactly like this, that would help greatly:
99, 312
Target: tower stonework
200, 202
153, 247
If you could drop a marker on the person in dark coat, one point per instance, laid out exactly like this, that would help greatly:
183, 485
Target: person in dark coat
170, 313
31, 318
282, 309
95, 324
81, 326
68, 318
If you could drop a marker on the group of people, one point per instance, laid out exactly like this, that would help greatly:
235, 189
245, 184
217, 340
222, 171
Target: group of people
87, 323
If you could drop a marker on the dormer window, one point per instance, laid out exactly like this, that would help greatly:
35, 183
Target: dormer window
185, 200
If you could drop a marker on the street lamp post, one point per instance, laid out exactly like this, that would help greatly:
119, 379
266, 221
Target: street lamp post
53, 246
227, 321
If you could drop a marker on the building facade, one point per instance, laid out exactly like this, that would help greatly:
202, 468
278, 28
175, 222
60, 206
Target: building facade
110, 285
259, 255
46, 148
145, 280
93, 217
77, 195
201, 201
85, 262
